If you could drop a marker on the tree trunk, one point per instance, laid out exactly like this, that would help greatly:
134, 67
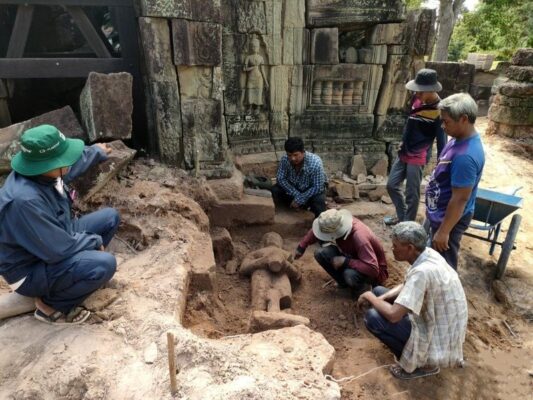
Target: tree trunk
449, 11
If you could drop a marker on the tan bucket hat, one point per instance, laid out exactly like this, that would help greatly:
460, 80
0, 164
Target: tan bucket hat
332, 224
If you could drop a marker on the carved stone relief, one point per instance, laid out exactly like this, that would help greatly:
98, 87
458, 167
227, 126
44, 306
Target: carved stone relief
251, 17
256, 82
353, 13
196, 43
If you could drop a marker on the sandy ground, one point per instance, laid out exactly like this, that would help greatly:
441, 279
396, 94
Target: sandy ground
499, 344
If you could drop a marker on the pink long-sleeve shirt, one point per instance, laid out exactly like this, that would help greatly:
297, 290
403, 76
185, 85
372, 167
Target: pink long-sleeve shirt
362, 248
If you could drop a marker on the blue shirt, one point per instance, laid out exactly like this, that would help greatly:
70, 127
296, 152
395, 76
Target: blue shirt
460, 166
304, 184
35, 222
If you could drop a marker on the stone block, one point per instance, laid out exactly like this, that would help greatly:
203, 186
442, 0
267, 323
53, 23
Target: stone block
390, 127
263, 164
523, 57
263, 320
350, 13
393, 94
13, 304
99, 175
358, 166
372, 54
511, 115
199, 82
325, 46
377, 193
166, 8
344, 190
196, 43
222, 245
249, 210
155, 39
166, 113
516, 89
294, 16
228, 189
252, 17
382, 34
380, 168
202, 130
279, 88
480, 61
520, 73
206, 10
106, 105
63, 119
203, 265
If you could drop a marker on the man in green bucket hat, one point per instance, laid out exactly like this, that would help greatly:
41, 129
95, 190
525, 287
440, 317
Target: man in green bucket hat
44, 253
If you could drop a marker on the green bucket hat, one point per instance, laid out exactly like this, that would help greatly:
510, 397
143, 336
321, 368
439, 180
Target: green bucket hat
44, 148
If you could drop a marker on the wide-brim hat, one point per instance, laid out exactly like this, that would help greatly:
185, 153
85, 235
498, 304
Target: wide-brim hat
332, 225
425, 81
44, 148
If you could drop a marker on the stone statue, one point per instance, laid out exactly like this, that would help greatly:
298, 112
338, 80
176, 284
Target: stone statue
255, 78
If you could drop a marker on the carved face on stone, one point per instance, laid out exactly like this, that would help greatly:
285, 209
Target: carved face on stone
254, 46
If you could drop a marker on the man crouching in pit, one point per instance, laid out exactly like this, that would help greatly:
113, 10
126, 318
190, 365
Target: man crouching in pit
44, 253
424, 320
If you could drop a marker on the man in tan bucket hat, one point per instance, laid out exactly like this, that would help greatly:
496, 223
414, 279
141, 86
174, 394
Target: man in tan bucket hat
350, 252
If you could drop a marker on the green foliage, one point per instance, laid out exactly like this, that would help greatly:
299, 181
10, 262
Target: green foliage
413, 4
498, 27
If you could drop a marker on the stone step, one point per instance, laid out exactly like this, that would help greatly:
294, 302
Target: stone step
250, 210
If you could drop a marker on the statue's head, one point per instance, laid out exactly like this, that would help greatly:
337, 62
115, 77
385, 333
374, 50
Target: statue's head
255, 45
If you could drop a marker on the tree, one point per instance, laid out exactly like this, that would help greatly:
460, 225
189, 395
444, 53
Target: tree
495, 26
413, 4
449, 11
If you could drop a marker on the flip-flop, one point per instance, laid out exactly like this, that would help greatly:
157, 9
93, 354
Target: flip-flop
399, 372
76, 316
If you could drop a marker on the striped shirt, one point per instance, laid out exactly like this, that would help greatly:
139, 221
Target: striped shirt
438, 313
304, 184
422, 128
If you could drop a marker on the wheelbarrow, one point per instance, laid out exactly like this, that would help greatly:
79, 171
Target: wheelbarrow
491, 209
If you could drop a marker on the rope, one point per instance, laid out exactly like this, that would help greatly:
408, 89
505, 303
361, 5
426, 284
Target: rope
353, 378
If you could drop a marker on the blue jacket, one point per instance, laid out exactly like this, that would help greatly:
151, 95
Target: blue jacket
35, 222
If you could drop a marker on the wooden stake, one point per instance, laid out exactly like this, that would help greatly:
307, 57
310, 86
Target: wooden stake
172, 363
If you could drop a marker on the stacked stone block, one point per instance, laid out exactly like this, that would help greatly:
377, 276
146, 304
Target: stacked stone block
511, 113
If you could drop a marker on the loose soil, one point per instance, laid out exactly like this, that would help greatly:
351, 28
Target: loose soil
499, 344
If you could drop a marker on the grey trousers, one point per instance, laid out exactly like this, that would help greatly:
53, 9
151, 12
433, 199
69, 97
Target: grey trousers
406, 206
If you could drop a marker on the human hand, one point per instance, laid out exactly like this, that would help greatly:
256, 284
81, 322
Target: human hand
104, 147
440, 241
338, 261
294, 204
102, 248
362, 301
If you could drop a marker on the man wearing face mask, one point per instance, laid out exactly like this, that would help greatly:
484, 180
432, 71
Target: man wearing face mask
44, 253
422, 128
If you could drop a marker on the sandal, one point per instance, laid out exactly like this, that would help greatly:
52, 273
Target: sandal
390, 220
74, 317
399, 372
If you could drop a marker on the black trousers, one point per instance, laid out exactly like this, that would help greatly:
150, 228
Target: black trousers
454, 242
317, 203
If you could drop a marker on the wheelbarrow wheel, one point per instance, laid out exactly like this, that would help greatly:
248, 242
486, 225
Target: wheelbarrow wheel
508, 245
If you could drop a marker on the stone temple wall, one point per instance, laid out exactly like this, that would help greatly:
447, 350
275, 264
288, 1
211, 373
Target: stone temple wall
241, 76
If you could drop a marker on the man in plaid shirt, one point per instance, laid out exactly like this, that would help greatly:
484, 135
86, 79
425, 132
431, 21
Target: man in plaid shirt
424, 320
301, 179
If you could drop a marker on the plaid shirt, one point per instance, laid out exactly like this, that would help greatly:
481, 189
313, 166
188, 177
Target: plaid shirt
438, 313
309, 181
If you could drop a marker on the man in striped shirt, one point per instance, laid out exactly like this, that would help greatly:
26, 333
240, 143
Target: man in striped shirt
301, 179
421, 129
